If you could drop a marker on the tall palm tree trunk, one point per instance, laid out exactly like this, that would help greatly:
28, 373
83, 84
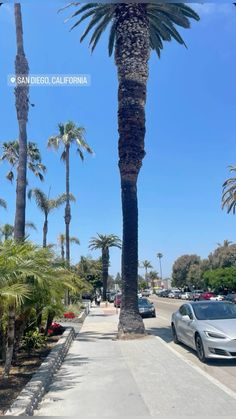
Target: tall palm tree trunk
67, 208
22, 108
67, 213
45, 231
132, 54
62, 252
105, 265
10, 339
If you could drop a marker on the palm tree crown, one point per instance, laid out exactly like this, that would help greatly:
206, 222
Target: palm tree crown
44, 203
3, 203
229, 192
70, 133
47, 205
104, 241
34, 162
161, 19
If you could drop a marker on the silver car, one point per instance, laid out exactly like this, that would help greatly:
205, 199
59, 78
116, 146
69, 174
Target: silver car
209, 327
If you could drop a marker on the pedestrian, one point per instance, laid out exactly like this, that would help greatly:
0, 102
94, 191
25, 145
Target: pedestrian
98, 300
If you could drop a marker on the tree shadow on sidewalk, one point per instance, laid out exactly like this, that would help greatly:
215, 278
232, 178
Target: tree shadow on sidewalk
92, 336
162, 332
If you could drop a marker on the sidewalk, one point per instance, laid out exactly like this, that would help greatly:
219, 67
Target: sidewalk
102, 376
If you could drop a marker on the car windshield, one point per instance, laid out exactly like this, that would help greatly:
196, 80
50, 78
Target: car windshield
143, 302
214, 311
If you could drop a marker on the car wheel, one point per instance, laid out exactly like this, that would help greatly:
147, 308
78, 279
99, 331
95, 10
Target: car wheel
174, 334
154, 314
200, 348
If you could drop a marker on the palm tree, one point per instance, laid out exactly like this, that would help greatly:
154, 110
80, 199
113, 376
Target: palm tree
22, 109
136, 29
104, 242
160, 256
61, 241
3, 203
153, 275
146, 265
34, 162
47, 205
7, 230
29, 272
229, 192
226, 243
69, 134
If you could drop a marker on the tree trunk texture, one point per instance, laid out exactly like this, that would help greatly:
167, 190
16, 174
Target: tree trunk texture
2, 335
131, 54
20, 325
105, 265
67, 214
10, 340
45, 231
22, 108
62, 252
67, 208
50, 318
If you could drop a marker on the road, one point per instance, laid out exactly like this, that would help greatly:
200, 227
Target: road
222, 370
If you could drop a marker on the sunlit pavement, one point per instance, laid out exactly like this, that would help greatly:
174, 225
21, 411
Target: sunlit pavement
103, 376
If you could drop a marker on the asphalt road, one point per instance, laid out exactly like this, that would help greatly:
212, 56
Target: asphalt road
222, 370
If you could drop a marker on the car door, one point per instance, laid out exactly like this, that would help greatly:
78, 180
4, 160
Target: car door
188, 327
180, 323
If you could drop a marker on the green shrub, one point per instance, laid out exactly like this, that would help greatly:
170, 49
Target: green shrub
33, 340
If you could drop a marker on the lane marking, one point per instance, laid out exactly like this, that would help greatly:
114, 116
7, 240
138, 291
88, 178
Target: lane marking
205, 374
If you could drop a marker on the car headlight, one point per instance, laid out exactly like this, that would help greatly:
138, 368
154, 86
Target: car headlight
214, 335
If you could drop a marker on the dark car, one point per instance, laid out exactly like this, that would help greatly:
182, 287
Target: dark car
111, 296
164, 293
146, 308
231, 298
206, 295
117, 300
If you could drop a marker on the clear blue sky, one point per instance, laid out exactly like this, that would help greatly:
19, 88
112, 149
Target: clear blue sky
190, 140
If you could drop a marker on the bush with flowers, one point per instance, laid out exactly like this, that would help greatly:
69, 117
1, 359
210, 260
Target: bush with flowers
55, 329
69, 315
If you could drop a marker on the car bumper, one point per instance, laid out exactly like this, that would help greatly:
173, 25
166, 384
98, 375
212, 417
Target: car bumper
217, 349
148, 314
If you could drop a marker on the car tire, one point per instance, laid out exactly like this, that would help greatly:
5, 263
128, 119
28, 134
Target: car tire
174, 334
154, 315
200, 349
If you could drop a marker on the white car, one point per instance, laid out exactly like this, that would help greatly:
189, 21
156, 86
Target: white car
185, 296
217, 298
208, 327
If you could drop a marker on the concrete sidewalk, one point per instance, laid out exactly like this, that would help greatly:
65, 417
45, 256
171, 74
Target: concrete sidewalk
102, 376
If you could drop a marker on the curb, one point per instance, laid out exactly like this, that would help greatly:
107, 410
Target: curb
34, 390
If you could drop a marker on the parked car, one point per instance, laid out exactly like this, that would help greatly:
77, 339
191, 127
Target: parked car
185, 295
206, 295
195, 295
218, 298
231, 298
146, 308
111, 296
174, 294
117, 300
164, 293
209, 327
146, 292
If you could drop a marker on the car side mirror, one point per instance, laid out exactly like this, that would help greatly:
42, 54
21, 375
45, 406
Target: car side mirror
186, 317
